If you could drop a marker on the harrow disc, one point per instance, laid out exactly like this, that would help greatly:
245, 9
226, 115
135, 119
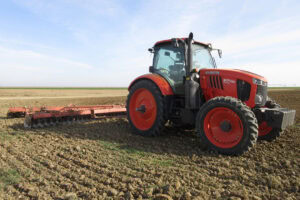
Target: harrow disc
52, 116
28, 121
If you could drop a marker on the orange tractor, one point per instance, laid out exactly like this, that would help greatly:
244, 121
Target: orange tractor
230, 109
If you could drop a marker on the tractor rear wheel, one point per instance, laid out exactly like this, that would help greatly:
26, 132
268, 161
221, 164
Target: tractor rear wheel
227, 126
145, 109
266, 132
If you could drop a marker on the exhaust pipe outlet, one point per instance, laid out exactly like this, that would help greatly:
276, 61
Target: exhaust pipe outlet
191, 86
190, 55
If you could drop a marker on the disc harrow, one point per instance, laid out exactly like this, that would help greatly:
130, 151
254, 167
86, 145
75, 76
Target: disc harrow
52, 116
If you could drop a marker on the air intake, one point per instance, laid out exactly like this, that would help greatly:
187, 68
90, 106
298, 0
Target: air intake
216, 82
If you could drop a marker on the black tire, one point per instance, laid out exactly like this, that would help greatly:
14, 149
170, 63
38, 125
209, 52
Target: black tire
246, 116
272, 135
159, 123
275, 132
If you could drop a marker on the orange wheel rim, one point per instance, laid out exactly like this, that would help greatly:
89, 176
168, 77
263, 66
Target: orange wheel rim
264, 129
223, 127
142, 109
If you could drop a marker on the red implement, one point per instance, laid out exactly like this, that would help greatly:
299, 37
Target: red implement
16, 112
49, 116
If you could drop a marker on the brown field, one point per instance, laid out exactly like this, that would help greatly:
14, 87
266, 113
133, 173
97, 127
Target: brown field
15, 94
103, 160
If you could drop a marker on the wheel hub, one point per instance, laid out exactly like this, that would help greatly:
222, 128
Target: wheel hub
225, 126
141, 109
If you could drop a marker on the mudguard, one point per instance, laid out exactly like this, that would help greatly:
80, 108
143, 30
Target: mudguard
158, 80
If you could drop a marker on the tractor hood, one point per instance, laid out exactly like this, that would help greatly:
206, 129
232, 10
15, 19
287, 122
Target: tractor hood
251, 74
246, 86
234, 74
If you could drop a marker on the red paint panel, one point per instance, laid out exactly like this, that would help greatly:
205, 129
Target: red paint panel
229, 78
163, 85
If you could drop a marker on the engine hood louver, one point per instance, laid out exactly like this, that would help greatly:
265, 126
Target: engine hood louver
215, 81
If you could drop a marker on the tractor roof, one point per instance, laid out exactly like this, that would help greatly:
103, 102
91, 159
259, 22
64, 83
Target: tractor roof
170, 40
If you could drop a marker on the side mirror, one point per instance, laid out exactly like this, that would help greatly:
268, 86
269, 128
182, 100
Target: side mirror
151, 69
151, 50
220, 53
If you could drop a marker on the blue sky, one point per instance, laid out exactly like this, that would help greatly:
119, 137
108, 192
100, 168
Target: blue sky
104, 43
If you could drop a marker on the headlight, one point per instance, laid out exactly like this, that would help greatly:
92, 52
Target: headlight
259, 82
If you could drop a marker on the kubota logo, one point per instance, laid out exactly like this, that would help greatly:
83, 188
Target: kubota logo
228, 81
212, 72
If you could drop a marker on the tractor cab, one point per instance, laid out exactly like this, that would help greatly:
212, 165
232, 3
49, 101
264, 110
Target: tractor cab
170, 61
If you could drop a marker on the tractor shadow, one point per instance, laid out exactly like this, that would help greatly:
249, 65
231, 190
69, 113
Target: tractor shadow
118, 132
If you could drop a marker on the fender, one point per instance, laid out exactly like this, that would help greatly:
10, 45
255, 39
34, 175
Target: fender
159, 81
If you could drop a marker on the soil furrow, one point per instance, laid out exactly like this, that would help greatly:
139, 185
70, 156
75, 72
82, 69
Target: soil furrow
62, 183
32, 184
9, 191
103, 160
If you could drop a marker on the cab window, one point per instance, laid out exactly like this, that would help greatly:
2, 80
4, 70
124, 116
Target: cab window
170, 63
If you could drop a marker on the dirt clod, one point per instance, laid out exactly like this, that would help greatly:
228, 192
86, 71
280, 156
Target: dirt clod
112, 192
162, 197
177, 184
187, 195
70, 196
78, 148
168, 189
128, 196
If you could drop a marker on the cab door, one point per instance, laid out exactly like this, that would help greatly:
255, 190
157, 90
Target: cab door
169, 62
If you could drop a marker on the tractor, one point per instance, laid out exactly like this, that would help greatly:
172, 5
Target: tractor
229, 108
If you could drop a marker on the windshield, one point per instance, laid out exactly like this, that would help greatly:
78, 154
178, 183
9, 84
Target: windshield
202, 57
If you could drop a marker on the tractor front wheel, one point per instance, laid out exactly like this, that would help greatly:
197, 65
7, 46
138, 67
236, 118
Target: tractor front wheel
227, 126
145, 109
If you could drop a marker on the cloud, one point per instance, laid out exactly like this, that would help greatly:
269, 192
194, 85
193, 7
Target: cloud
55, 9
285, 73
104, 43
38, 60
17, 42
267, 35
271, 49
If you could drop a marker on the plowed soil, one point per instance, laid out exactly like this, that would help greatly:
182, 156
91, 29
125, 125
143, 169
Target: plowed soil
101, 159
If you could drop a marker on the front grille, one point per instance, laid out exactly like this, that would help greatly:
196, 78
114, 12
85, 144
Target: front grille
243, 90
263, 91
